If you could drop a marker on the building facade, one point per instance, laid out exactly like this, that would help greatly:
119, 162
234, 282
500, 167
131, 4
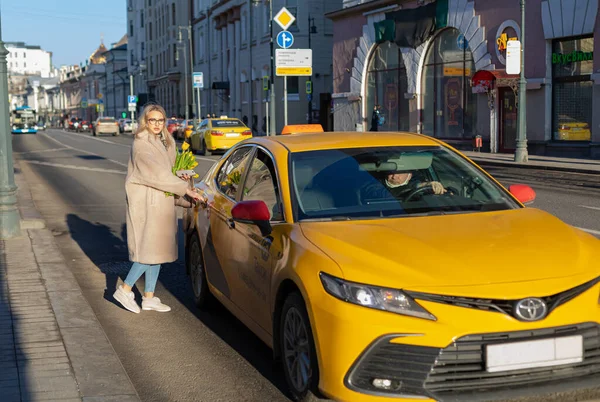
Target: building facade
167, 57
116, 81
439, 68
28, 60
136, 49
232, 50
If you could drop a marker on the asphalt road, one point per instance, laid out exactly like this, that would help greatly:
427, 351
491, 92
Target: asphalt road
77, 182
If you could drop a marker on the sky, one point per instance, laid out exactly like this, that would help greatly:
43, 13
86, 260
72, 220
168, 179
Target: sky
70, 29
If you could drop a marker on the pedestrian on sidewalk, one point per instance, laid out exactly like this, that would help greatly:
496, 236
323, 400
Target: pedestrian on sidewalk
153, 192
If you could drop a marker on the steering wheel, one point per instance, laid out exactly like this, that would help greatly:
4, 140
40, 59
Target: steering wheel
420, 191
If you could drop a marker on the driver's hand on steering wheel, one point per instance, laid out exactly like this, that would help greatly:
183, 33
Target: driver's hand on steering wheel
438, 188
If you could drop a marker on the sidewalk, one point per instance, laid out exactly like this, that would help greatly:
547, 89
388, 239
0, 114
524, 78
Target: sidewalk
589, 166
52, 347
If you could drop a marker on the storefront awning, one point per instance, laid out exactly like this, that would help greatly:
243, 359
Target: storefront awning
484, 80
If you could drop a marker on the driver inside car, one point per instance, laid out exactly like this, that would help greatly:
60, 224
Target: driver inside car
400, 185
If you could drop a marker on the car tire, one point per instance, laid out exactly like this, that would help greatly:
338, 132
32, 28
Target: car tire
115, 134
197, 271
294, 322
205, 151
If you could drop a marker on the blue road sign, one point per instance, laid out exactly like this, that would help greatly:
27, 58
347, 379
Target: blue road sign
132, 99
285, 39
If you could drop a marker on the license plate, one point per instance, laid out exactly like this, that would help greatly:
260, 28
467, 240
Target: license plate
232, 135
532, 354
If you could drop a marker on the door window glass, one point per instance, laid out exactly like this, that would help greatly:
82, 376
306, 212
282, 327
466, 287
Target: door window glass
261, 185
230, 175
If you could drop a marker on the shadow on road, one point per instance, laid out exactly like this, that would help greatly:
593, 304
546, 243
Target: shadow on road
109, 253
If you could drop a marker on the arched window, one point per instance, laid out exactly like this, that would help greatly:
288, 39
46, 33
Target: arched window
386, 86
449, 106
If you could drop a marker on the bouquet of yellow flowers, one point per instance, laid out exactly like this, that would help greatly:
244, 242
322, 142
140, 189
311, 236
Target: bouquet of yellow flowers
185, 160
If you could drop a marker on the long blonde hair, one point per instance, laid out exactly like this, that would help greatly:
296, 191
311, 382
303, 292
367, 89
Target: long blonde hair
143, 123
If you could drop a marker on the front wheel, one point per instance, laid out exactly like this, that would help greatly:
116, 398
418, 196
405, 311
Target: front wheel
297, 350
197, 272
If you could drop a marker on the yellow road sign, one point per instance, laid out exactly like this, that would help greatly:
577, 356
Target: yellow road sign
294, 71
284, 18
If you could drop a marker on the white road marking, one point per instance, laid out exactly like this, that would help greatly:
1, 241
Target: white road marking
41, 151
198, 158
81, 150
588, 207
74, 167
97, 139
594, 232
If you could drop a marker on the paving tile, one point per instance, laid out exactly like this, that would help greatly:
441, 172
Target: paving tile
72, 309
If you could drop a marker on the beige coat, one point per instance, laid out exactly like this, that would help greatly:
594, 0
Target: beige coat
151, 216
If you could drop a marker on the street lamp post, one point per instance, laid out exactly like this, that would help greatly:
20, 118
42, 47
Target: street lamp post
273, 126
312, 29
188, 28
10, 220
521, 151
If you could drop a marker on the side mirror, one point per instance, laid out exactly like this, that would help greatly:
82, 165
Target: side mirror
253, 213
523, 193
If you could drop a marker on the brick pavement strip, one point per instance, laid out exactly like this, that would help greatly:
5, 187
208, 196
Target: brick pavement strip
52, 347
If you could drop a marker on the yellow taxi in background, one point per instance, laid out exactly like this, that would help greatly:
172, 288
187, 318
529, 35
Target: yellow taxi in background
218, 134
570, 129
389, 266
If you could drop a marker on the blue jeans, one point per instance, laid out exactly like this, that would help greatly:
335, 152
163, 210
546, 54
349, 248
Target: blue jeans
137, 270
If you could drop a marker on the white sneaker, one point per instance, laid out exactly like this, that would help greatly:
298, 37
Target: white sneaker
154, 304
127, 300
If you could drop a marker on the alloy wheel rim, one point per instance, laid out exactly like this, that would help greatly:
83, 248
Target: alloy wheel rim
296, 350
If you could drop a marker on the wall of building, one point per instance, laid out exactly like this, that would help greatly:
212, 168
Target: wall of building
30, 60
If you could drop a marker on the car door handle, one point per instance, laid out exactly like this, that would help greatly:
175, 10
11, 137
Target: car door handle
231, 223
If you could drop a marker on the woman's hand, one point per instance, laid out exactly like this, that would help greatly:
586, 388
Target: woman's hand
185, 177
196, 197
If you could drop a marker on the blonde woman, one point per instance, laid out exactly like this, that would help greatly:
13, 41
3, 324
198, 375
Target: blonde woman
151, 214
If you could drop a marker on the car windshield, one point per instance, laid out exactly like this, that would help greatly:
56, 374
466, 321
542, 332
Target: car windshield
387, 182
227, 123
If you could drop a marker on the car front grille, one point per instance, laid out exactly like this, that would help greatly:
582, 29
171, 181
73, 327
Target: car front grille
505, 306
458, 371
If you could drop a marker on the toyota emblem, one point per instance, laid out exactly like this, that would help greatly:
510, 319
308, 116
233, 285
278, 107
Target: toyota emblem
531, 309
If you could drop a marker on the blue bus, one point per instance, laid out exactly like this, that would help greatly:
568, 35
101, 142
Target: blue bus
24, 120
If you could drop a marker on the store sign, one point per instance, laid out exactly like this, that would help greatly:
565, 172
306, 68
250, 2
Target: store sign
574, 57
513, 57
456, 72
502, 41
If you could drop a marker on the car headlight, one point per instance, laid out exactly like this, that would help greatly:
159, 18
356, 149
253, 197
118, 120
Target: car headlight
392, 300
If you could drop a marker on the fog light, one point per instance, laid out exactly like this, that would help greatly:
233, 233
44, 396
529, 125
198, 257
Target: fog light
387, 384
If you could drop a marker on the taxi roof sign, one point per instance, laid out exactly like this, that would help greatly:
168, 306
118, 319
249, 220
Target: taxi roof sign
284, 18
302, 129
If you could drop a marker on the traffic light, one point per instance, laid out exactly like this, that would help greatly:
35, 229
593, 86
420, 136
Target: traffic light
308, 87
265, 83
123, 115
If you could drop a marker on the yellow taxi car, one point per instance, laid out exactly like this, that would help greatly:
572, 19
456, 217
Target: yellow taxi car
218, 134
570, 129
388, 266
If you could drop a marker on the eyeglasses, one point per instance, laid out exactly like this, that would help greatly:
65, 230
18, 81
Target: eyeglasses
156, 121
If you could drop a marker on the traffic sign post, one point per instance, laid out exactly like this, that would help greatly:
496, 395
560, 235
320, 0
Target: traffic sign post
198, 83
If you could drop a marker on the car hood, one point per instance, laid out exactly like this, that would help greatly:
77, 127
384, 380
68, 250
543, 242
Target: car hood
463, 254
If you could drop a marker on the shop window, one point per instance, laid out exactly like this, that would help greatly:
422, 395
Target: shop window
386, 86
449, 106
572, 88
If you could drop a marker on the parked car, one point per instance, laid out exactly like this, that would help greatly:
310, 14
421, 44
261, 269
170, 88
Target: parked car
105, 125
173, 125
443, 287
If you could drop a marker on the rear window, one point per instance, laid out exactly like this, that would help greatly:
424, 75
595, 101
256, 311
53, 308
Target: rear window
227, 123
107, 120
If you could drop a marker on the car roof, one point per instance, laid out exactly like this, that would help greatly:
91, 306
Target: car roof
350, 139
